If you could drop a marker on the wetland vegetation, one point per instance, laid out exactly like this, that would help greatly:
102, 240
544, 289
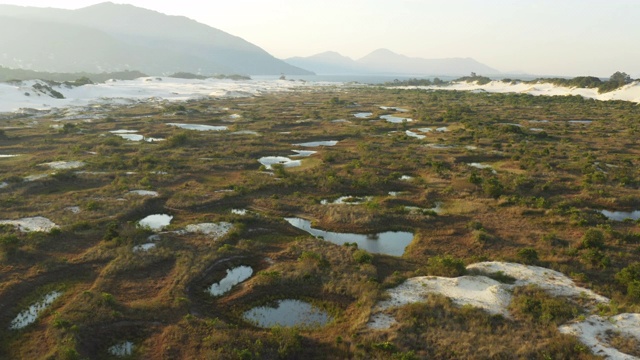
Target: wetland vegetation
511, 177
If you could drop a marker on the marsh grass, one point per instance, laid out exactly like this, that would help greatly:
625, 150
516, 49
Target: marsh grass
543, 198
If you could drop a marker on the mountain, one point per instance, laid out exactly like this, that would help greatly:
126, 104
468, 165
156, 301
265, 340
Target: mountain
383, 61
112, 37
329, 62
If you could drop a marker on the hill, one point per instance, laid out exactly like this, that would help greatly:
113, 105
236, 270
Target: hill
112, 37
383, 61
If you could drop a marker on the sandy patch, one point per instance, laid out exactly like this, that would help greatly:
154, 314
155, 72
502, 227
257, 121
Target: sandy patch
481, 291
593, 333
214, 230
30, 315
32, 224
63, 165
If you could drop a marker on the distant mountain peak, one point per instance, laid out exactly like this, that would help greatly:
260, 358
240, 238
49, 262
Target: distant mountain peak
385, 61
111, 37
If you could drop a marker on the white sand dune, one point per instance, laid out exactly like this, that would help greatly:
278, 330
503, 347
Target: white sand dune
494, 297
630, 92
593, 332
22, 95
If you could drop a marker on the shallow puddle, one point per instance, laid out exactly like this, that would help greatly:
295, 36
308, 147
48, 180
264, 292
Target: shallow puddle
30, 315
621, 215
304, 153
393, 108
234, 277
268, 161
143, 193
415, 135
395, 119
363, 115
318, 143
131, 137
288, 313
389, 243
198, 127
348, 200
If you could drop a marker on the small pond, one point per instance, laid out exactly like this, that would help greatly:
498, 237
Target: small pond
304, 153
268, 161
198, 127
318, 143
143, 192
234, 277
156, 222
621, 215
131, 137
30, 315
393, 108
415, 135
395, 119
348, 200
390, 243
482, 166
288, 313
363, 115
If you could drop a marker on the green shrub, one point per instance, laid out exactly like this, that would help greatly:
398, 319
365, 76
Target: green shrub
535, 305
362, 256
446, 265
593, 239
528, 255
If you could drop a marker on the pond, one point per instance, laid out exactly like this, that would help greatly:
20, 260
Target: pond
156, 222
234, 277
304, 153
318, 143
393, 108
395, 119
30, 315
621, 215
268, 161
363, 115
144, 193
131, 137
198, 127
482, 166
415, 135
288, 313
389, 243
348, 200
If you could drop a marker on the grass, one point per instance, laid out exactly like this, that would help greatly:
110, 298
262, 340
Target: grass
540, 207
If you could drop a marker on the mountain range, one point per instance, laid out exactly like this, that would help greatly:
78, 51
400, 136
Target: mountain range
383, 61
112, 37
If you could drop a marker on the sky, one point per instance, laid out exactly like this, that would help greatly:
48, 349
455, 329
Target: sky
541, 37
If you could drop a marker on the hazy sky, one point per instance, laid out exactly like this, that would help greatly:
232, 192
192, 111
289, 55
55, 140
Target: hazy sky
544, 37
